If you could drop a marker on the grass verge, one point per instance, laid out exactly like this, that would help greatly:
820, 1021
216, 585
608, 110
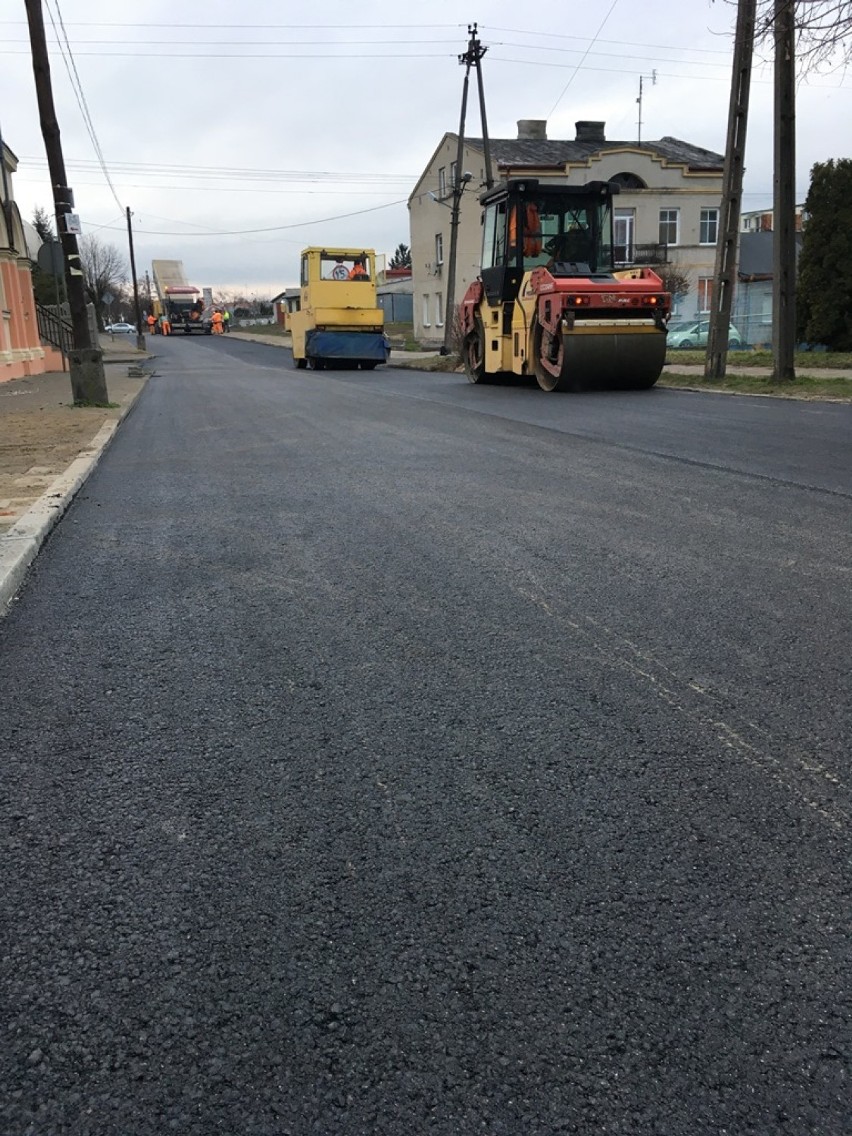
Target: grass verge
807, 360
838, 387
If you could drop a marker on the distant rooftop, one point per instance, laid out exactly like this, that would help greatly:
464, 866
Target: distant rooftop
533, 148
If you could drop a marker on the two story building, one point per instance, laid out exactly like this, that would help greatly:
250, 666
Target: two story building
667, 212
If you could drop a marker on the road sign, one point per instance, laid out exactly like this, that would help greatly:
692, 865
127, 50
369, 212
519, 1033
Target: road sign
49, 258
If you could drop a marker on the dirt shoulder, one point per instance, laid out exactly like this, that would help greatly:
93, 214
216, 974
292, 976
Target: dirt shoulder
42, 432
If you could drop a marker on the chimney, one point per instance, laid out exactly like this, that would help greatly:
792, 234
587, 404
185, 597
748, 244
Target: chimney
532, 129
590, 132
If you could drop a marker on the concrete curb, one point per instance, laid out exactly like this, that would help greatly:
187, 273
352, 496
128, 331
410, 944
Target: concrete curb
20, 545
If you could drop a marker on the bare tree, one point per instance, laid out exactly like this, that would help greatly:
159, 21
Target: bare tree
104, 271
823, 32
675, 280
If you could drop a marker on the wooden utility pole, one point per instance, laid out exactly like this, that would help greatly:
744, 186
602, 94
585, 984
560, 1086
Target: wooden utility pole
88, 381
140, 338
784, 197
732, 195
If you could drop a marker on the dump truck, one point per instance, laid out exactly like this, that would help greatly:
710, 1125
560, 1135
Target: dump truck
550, 301
339, 323
178, 300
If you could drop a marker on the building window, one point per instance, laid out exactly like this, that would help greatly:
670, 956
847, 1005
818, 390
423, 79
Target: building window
623, 232
454, 175
705, 293
442, 181
439, 249
708, 232
426, 311
439, 309
669, 227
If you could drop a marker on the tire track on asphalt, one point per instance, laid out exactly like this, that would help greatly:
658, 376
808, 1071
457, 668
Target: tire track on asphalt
807, 779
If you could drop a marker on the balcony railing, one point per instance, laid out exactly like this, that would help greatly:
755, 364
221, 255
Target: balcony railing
633, 256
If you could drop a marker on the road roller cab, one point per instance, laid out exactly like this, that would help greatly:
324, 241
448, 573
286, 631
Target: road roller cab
549, 300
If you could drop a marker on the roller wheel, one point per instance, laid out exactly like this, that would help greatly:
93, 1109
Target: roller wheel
473, 353
548, 350
643, 384
317, 364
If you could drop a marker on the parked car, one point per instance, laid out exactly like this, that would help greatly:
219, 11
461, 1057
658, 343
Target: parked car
694, 333
120, 329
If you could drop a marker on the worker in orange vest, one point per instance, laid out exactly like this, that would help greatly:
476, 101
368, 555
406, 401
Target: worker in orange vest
532, 229
152, 324
217, 322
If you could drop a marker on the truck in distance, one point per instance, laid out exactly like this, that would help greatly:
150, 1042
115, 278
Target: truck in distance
178, 300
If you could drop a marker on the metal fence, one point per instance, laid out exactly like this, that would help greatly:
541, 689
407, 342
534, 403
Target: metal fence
54, 325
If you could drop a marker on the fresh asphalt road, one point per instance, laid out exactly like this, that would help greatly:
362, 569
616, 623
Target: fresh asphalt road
385, 755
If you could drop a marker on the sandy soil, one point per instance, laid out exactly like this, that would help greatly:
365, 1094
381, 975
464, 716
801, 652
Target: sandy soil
41, 432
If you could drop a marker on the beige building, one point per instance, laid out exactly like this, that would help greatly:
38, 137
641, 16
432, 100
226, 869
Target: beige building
667, 213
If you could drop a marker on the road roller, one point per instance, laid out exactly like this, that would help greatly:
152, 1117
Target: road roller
549, 300
339, 322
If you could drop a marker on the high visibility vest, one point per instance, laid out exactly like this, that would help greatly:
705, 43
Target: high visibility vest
532, 228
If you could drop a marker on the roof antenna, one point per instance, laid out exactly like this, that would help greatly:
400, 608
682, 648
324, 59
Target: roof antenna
653, 78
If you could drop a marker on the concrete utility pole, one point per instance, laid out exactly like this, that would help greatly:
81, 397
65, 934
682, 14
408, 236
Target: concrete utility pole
88, 381
732, 195
470, 58
784, 197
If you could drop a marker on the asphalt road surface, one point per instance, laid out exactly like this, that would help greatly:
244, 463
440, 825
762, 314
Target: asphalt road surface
386, 755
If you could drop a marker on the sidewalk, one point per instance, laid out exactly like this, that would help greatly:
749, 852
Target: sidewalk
48, 447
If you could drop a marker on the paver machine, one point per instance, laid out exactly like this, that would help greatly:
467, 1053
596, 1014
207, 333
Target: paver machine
550, 301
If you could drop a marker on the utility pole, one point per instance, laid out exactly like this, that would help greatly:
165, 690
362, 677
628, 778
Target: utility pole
140, 338
721, 301
784, 197
470, 58
475, 51
88, 381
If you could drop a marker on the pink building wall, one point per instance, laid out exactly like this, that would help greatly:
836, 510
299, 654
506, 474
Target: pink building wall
21, 351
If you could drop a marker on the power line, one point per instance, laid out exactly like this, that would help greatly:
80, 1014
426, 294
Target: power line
620, 42
221, 188
79, 94
290, 27
276, 228
582, 61
235, 173
388, 56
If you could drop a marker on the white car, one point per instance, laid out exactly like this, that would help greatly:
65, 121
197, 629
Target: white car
120, 329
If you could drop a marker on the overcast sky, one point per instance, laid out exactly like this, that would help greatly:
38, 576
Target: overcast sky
285, 117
